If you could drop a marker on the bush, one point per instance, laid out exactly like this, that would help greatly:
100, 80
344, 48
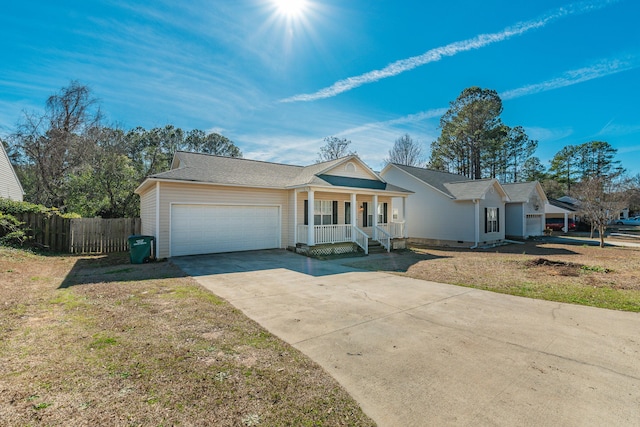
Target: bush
11, 230
13, 207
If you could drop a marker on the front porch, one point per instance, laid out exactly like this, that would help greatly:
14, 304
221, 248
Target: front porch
351, 220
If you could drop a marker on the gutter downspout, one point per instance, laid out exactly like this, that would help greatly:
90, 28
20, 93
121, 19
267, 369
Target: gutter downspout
477, 223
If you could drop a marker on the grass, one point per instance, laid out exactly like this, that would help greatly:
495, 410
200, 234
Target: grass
579, 274
98, 341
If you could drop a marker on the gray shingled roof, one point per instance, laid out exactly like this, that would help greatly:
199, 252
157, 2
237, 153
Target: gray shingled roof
563, 205
469, 190
198, 167
444, 181
230, 171
520, 191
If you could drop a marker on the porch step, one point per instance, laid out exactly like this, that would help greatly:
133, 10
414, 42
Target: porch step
375, 247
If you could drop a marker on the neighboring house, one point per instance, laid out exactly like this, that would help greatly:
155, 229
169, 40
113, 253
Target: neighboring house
525, 210
10, 187
565, 210
449, 209
624, 214
209, 204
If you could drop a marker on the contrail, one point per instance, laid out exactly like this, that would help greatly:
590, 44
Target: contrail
597, 70
451, 49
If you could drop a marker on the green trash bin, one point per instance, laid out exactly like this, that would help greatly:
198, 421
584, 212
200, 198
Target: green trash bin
140, 249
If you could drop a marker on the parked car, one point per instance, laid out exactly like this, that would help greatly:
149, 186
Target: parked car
634, 220
557, 224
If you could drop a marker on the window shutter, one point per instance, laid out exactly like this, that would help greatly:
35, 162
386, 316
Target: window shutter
486, 220
498, 220
347, 212
306, 212
384, 212
335, 212
364, 214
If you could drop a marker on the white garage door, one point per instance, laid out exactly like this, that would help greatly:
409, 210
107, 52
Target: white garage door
534, 225
205, 229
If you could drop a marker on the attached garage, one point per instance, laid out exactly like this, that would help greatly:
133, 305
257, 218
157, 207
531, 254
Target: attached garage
534, 225
210, 204
205, 228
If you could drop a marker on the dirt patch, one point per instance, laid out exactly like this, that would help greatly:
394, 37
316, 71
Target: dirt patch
555, 267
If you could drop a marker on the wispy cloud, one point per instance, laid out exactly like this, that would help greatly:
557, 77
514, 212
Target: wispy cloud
597, 70
600, 69
451, 49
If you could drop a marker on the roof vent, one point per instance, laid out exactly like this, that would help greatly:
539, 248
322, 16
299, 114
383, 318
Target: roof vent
350, 167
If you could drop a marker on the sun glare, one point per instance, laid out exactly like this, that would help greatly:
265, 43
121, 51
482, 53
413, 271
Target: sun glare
290, 8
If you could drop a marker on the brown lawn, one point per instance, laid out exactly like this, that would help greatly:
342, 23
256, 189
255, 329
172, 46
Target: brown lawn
88, 341
602, 277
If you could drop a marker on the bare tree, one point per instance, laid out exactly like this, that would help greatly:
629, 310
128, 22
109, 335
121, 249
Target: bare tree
601, 199
406, 152
56, 142
334, 148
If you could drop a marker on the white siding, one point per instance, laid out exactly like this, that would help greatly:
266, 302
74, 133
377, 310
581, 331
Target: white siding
431, 214
519, 220
347, 169
202, 193
148, 212
493, 199
10, 187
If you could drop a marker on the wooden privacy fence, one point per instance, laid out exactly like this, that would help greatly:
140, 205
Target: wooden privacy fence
97, 235
81, 235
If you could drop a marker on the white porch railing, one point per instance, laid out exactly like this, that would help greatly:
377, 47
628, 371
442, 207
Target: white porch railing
395, 229
361, 239
384, 238
334, 234
325, 233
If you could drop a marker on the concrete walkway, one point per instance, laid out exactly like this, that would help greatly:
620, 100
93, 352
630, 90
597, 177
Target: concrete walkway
418, 353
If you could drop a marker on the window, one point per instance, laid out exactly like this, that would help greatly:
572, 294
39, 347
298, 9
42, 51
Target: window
347, 212
367, 219
492, 220
382, 213
322, 212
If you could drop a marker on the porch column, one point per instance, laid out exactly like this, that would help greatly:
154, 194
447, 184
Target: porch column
354, 216
295, 217
404, 217
375, 216
566, 222
311, 225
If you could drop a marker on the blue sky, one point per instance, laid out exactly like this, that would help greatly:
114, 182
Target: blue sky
277, 83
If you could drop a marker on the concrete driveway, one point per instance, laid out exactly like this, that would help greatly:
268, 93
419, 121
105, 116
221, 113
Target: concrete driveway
417, 353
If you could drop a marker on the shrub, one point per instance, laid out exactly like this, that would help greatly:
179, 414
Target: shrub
13, 207
11, 230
